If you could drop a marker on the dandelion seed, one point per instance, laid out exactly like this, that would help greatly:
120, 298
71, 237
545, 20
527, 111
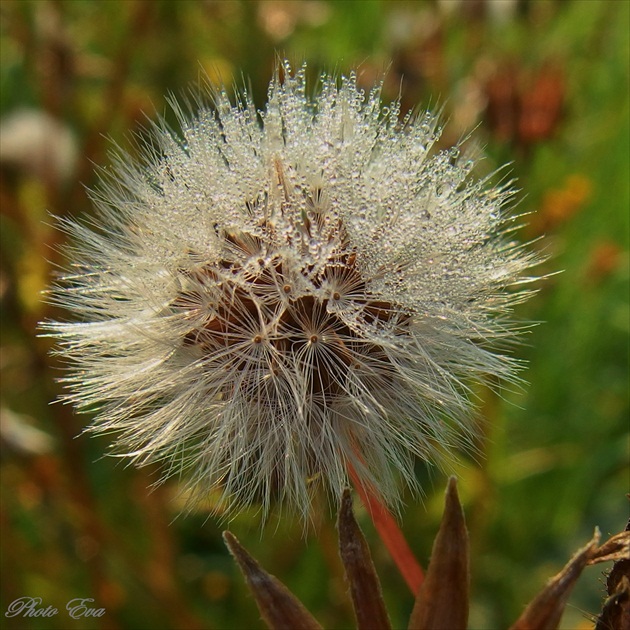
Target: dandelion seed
279, 296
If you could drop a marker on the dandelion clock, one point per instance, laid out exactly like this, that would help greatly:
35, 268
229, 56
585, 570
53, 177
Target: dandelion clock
271, 301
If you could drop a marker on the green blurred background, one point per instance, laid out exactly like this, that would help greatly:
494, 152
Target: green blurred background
544, 85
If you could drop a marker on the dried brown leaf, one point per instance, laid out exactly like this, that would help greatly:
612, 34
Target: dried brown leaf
279, 608
442, 602
365, 587
614, 549
545, 610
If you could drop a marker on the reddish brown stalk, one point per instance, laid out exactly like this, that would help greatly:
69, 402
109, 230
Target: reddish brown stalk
390, 534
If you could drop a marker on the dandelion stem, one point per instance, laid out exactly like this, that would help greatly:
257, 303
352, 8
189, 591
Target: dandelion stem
390, 534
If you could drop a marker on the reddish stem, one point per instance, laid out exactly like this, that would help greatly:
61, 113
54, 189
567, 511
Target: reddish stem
390, 534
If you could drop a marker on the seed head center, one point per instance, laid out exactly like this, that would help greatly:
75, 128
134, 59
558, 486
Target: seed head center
240, 300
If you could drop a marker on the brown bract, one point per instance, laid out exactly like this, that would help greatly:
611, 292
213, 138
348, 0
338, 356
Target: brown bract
365, 587
443, 600
279, 608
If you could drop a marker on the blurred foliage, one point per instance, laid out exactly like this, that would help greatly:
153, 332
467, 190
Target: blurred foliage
543, 84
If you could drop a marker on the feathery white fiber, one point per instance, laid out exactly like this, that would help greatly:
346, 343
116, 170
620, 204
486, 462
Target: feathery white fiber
276, 296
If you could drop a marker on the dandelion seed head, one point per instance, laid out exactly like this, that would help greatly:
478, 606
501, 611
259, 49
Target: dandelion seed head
272, 297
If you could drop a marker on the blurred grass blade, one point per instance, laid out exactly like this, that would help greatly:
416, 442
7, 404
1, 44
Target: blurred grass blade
365, 587
545, 610
442, 601
279, 608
